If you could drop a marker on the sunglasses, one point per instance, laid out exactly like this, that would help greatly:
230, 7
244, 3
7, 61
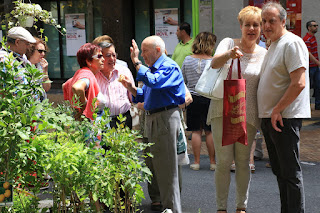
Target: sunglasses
315, 25
42, 51
97, 56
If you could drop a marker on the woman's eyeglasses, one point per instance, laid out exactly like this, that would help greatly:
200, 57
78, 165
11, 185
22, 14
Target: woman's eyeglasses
42, 51
97, 56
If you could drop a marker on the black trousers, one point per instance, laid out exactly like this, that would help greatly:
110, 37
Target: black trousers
283, 150
128, 122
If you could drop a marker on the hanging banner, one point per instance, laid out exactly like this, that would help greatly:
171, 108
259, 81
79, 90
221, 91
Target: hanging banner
166, 22
294, 16
76, 32
293, 7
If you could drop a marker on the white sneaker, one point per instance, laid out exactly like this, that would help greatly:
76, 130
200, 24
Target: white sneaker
167, 211
213, 166
195, 166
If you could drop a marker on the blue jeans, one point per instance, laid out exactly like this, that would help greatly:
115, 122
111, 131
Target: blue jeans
283, 150
314, 75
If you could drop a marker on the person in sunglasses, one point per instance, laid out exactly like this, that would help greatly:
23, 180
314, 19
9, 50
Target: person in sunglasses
118, 98
36, 55
314, 73
83, 83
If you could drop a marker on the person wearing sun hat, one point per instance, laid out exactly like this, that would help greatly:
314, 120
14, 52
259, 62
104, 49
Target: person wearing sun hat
18, 41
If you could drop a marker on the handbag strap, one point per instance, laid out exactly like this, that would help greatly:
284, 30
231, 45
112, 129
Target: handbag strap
230, 70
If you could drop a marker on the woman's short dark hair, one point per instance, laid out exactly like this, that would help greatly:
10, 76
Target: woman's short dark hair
204, 43
86, 52
32, 47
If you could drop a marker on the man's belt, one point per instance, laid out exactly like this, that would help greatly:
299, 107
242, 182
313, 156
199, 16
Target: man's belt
149, 112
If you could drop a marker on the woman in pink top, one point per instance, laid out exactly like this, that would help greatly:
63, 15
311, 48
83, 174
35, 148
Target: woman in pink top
84, 84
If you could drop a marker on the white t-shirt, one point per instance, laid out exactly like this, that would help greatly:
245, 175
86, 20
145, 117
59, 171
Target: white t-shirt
284, 56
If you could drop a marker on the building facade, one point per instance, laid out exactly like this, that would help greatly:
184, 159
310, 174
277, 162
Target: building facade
124, 20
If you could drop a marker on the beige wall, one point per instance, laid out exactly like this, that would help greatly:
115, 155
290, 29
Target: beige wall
225, 19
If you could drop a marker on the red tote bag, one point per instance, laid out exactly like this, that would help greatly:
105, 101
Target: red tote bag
234, 109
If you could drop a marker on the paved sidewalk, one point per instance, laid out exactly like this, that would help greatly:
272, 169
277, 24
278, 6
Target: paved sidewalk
310, 133
310, 139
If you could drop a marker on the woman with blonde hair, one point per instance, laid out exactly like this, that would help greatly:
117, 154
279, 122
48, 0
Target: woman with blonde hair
192, 69
251, 56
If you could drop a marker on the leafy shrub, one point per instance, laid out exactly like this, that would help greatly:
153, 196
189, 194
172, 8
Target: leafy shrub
38, 138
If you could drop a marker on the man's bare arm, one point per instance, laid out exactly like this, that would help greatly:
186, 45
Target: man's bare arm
297, 84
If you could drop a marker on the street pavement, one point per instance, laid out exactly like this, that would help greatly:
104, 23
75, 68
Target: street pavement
198, 188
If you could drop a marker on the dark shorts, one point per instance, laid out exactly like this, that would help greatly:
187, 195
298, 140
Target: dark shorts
197, 114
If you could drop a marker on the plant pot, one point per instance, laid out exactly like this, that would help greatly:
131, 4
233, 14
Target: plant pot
26, 21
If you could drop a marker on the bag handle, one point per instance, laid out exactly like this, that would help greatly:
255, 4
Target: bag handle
230, 70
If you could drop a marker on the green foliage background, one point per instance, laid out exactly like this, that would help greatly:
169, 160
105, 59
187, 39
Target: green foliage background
37, 138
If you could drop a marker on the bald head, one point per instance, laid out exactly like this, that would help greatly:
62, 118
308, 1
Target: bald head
152, 48
155, 41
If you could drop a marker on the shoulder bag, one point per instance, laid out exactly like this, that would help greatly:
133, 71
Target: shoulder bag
210, 83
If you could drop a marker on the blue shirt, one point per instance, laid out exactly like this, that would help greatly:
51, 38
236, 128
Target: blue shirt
163, 84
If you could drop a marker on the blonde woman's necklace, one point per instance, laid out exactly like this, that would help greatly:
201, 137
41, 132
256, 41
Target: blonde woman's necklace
249, 49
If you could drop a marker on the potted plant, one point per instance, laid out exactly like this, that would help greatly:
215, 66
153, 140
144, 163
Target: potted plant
28, 14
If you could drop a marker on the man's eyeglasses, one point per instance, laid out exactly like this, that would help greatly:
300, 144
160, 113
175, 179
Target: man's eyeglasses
314, 25
42, 51
109, 55
97, 56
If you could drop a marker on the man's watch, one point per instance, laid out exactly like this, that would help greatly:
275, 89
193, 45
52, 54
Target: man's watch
137, 63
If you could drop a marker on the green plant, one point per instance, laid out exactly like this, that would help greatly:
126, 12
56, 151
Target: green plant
38, 138
18, 15
19, 107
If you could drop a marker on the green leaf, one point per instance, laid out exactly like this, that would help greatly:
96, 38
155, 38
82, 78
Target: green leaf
3, 124
94, 196
22, 135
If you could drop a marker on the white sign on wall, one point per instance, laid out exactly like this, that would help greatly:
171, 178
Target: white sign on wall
76, 32
166, 23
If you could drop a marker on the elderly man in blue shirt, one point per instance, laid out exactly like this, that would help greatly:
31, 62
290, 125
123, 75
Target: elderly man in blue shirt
162, 92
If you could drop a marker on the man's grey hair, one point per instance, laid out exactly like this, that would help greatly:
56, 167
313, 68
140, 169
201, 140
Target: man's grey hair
158, 42
105, 44
11, 40
282, 11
